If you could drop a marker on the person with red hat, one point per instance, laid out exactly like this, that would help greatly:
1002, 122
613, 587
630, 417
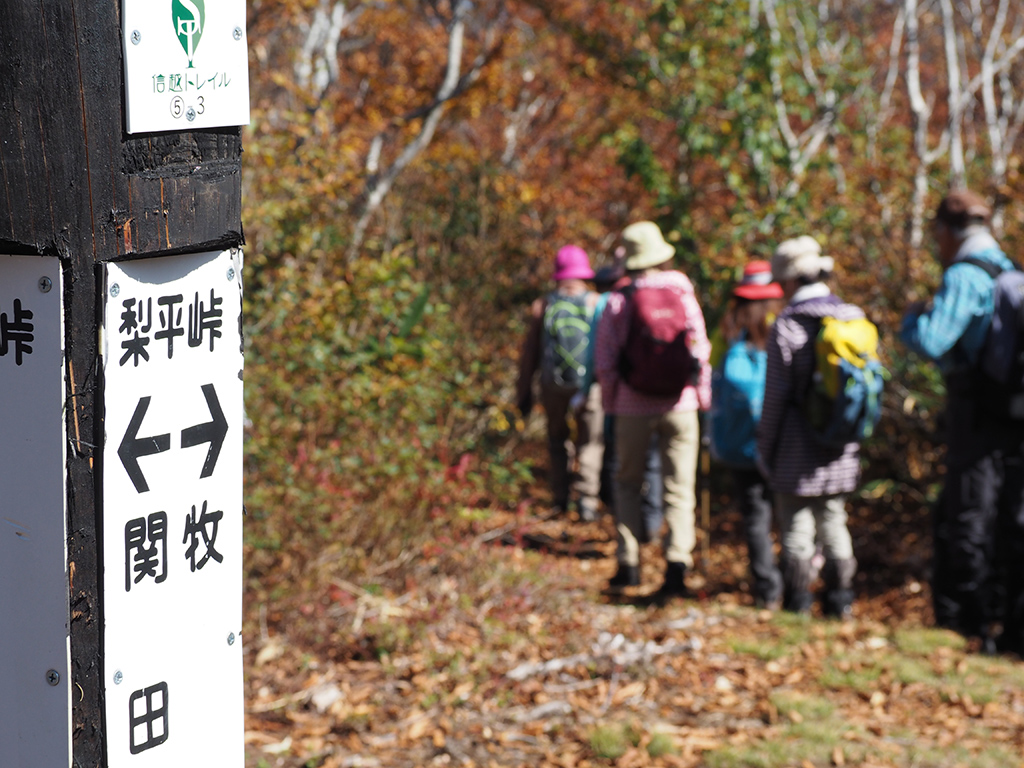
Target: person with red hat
737, 392
971, 592
558, 344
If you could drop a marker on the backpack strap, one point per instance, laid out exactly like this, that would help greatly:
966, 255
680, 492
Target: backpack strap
993, 270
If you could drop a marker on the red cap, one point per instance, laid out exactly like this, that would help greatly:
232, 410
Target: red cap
756, 282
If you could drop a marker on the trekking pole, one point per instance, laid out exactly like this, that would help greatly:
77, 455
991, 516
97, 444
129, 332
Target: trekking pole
705, 497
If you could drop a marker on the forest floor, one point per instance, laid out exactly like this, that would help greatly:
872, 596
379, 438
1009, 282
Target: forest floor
497, 646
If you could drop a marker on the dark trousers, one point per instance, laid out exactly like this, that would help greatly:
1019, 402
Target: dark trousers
756, 509
978, 524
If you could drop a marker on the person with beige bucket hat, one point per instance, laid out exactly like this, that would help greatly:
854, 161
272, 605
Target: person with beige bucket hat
810, 481
652, 363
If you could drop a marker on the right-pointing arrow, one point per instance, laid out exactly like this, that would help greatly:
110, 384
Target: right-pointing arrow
132, 446
211, 432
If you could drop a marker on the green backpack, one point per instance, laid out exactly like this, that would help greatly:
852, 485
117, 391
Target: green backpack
565, 348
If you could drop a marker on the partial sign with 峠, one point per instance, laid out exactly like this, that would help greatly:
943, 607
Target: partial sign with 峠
35, 689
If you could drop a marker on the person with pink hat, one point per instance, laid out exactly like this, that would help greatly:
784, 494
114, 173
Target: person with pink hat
558, 345
737, 392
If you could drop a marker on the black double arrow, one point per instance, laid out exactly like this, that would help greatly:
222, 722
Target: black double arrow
132, 447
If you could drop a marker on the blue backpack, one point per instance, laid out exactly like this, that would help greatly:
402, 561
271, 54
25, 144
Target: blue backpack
737, 393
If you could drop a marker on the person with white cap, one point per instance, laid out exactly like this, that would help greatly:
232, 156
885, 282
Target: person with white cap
558, 344
809, 481
648, 399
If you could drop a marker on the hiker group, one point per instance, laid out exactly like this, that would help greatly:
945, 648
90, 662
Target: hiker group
791, 384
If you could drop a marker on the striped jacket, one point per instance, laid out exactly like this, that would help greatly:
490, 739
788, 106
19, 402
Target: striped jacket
792, 460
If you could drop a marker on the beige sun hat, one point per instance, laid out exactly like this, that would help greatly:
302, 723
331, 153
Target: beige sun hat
645, 246
798, 258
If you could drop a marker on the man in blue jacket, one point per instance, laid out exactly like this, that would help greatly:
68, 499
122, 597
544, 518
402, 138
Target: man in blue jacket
983, 458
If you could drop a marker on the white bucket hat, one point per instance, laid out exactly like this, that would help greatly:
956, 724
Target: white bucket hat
800, 258
645, 246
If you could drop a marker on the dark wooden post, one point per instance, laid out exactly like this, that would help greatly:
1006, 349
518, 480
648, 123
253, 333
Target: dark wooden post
73, 184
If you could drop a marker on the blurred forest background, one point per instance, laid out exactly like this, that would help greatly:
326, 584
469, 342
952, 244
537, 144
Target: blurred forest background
412, 165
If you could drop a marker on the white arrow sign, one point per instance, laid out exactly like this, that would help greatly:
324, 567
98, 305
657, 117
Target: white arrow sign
172, 511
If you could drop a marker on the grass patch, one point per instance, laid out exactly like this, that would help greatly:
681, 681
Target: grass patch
810, 733
661, 744
843, 673
992, 757
923, 641
814, 708
767, 650
609, 741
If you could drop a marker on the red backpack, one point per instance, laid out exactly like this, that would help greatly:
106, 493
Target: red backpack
656, 359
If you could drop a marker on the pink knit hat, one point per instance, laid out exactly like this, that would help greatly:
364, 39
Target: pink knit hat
572, 263
756, 282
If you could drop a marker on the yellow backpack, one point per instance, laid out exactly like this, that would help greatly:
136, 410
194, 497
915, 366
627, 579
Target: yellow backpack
844, 401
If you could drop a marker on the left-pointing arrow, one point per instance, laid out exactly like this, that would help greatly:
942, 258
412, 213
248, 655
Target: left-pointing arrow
132, 446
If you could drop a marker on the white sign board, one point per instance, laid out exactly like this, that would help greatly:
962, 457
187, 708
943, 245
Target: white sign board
35, 701
172, 511
186, 64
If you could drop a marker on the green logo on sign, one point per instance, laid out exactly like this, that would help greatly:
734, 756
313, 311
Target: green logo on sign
189, 19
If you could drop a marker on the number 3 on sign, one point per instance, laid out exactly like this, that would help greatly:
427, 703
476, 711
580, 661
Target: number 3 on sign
177, 106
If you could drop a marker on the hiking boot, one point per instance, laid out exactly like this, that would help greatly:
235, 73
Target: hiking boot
837, 600
673, 585
766, 604
838, 604
626, 576
796, 578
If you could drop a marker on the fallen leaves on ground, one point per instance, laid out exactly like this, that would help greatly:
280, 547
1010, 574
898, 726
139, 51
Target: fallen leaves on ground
497, 651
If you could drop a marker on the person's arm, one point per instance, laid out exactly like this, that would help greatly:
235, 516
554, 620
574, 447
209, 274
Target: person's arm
932, 332
608, 349
529, 358
700, 348
778, 391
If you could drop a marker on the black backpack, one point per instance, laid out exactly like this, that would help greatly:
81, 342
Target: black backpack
1002, 357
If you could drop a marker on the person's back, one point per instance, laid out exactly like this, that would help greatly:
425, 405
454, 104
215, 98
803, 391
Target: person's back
980, 512
557, 343
672, 417
809, 481
738, 384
